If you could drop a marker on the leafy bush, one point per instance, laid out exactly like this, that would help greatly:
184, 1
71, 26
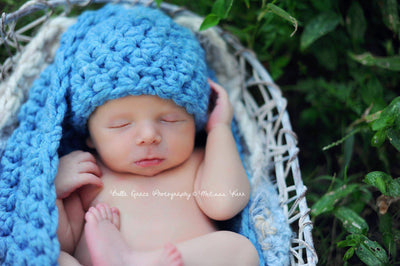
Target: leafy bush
337, 63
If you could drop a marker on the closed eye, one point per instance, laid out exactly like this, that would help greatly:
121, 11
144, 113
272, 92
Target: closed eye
169, 120
172, 118
120, 125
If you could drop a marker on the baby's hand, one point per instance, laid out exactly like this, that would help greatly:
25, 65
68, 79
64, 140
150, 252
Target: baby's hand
223, 110
75, 170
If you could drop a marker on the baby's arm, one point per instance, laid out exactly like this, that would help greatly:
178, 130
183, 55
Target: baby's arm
221, 170
74, 171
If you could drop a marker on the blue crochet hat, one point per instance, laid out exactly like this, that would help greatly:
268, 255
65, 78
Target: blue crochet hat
134, 51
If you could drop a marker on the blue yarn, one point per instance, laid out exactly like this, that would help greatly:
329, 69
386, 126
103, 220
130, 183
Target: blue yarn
98, 61
273, 248
28, 215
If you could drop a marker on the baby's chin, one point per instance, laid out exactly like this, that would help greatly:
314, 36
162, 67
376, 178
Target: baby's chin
147, 169
144, 172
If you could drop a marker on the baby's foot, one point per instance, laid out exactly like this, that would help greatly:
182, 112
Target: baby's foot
107, 246
102, 234
170, 256
103, 213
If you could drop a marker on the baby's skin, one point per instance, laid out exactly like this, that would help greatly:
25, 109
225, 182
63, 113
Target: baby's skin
147, 197
102, 228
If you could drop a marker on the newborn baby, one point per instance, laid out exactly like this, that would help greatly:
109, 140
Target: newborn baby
145, 195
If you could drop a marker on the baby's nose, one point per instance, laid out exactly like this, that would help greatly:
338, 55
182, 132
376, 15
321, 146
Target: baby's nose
148, 135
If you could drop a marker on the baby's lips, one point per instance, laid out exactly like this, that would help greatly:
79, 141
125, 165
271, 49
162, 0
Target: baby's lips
149, 162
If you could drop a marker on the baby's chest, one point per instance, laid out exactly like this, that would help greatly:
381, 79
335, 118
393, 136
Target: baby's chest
170, 191
161, 209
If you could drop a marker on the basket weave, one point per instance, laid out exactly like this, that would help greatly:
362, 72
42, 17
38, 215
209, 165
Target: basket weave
259, 106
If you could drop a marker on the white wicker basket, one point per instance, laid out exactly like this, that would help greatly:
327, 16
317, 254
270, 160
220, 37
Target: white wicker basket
259, 106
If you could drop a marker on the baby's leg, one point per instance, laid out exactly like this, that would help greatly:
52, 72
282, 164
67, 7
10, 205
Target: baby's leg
219, 248
107, 247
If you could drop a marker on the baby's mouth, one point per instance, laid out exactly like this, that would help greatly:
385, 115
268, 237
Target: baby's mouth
149, 162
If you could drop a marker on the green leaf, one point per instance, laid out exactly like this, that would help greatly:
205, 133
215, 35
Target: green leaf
390, 13
210, 20
378, 139
348, 152
318, 27
378, 179
349, 253
352, 240
371, 253
327, 202
384, 121
158, 2
394, 137
247, 2
355, 22
384, 182
322, 5
351, 221
367, 59
221, 8
381, 185
327, 54
283, 14
396, 235
386, 229
372, 93
359, 199
389, 116
393, 188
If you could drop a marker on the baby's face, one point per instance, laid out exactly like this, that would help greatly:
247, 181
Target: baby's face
143, 135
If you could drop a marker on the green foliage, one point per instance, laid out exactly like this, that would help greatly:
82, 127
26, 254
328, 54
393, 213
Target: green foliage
351, 221
220, 10
281, 13
338, 63
384, 182
319, 26
391, 63
388, 233
370, 252
328, 201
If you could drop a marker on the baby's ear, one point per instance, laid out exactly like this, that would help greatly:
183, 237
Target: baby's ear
89, 142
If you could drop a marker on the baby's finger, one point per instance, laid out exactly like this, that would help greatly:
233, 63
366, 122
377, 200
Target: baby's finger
86, 157
216, 87
90, 179
222, 94
90, 167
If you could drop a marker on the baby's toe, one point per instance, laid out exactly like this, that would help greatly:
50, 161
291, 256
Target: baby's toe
173, 255
115, 217
93, 215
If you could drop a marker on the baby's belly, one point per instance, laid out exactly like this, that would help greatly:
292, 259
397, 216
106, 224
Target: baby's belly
150, 219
